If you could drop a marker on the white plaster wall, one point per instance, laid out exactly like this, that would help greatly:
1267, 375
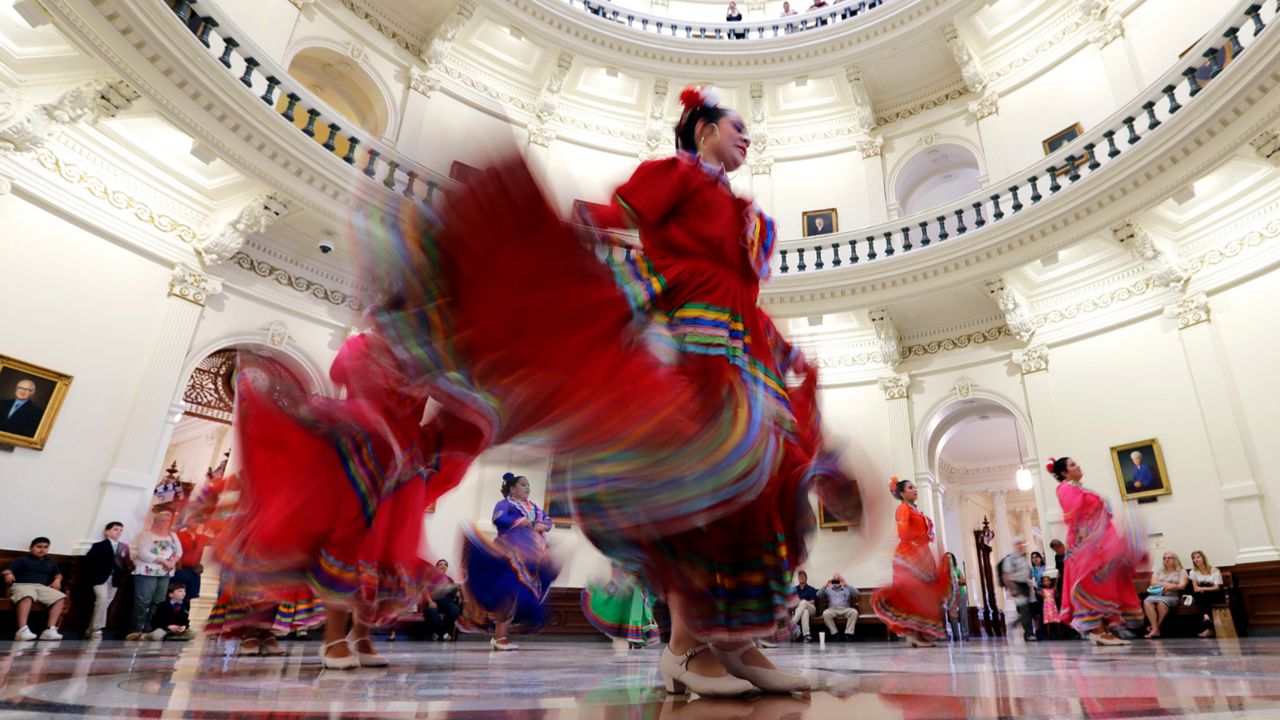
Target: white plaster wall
576, 172
268, 23
833, 181
1158, 31
72, 302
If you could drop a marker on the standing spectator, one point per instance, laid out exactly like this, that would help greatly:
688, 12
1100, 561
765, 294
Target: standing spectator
786, 9
818, 5
807, 606
1206, 588
1059, 560
158, 554
956, 604
1038, 570
35, 578
1165, 593
841, 603
1049, 615
107, 563
1015, 577
734, 15
444, 605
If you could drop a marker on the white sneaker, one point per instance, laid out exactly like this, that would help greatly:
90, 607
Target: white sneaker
445, 637
24, 633
95, 635
157, 634
50, 634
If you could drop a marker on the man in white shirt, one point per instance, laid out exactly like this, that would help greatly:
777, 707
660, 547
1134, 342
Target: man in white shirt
1015, 576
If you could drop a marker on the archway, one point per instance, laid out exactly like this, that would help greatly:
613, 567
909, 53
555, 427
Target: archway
934, 176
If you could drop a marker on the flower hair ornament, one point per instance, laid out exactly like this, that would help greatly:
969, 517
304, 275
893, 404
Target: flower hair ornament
698, 96
1049, 465
893, 484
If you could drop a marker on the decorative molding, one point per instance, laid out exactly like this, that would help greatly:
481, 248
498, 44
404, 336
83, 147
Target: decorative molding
1267, 145
870, 147
1031, 360
86, 103
923, 106
116, 198
887, 336
761, 164
975, 79
934, 347
255, 217
1108, 24
1159, 257
1040, 48
895, 387
1070, 312
1234, 247
192, 285
548, 105
985, 106
863, 112
1017, 311
1189, 311
277, 333
264, 269
377, 24
963, 387
655, 127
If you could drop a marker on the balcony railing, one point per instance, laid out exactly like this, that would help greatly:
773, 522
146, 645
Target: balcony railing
308, 114
1084, 157
740, 30
1088, 155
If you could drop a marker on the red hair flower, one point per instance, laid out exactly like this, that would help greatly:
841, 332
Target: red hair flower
695, 96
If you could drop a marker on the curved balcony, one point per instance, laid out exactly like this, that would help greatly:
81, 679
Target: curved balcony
1092, 154
850, 10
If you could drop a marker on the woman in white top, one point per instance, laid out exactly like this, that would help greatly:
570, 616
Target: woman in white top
1206, 588
158, 554
1172, 581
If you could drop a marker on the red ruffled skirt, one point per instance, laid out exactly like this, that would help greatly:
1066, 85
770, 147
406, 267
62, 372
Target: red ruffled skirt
913, 603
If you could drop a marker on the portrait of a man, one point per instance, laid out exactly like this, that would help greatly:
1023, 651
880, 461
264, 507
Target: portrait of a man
21, 414
30, 397
1140, 469
820, 222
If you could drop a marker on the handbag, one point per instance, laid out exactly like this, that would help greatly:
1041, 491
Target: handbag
1155, 590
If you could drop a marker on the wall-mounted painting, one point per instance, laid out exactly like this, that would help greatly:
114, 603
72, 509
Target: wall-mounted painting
828, 518
30, 397
463, 172
821, 222
1140, 470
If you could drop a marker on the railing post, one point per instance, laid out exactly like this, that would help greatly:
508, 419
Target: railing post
888, 244
1170, 92
269, 97
784, 269
1093, 157
835, 255
1134, 137
1152, 121
960, 227
350, 157
293, 103
1035, 190
1054, 185
853, 252
1192, 81
817, 263
1112, 150
906, 239
942, 228
310, 129
1073, 168
228, 46
1017, 203
871, 248
207, 24
333, 135
997, 214
978, 220
800, 266
924, 234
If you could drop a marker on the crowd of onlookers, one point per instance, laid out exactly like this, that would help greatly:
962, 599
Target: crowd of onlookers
839, 10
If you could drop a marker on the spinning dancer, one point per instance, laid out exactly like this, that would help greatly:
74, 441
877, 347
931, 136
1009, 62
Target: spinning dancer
621, 608
912, 606
1097, 581
508, 579
693, 474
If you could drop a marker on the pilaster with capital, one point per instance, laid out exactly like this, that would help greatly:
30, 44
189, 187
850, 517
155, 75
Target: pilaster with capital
1033, 364
157, 407
897, 400
547, 109
1004, 538
1227, 430
657, 136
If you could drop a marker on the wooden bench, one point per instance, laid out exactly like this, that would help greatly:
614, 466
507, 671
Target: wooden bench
77, 612
1187, 620
869, 624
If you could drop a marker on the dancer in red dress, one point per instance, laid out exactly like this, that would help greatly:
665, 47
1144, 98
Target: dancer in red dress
334, 492
695, 474
912, 606
1097, 579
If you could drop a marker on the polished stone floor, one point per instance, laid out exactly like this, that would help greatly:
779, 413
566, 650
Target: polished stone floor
556, 680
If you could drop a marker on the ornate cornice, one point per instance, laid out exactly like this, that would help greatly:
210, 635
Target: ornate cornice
921, 106
383, 27
1189, 311
977, 337
1071, 28
264, 269
192, 285
895, 387
1031, 360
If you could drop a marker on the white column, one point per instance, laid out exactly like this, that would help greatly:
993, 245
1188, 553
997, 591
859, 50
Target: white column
941, 523
762, 181
896, 396
1122, 69
415, 121
873, 169
157, 408
987, 112
1004, 538
1226, 429
1026, 528
1033, 363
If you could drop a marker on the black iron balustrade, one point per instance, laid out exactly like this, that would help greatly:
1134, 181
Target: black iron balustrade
727, 31
1082, 157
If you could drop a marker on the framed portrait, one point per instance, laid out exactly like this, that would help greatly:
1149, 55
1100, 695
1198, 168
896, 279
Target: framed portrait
1140, 470
1204, 73
829, 519
463, 172
1061, 138
30, 397
820, 222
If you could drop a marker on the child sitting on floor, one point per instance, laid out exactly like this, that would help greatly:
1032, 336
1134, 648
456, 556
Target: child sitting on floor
170, 621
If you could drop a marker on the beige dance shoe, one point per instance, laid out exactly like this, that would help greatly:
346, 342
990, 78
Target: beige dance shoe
369, 660
503, 645
767, 679
679, 679
1106, 639
337, 663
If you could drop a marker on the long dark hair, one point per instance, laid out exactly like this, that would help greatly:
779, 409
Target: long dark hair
1036, 554
509, 481
1057, 468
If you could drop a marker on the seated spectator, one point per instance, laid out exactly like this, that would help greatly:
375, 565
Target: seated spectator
1206, 588
107, 562
842, 600
807, 606
1165, 593
158, 554
444, 606
735, 15
786, 9
35, 578
170, 620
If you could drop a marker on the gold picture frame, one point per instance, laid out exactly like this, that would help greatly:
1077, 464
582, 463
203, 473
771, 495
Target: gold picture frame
820, 222
828, 520
1144, 476
31, 422
1063, 137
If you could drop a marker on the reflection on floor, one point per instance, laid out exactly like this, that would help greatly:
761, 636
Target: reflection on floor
559, 680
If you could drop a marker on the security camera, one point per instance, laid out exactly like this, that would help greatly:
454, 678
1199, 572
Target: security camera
326, 242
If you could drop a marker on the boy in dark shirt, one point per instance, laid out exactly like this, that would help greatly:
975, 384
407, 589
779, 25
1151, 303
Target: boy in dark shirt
35, 578
170, 621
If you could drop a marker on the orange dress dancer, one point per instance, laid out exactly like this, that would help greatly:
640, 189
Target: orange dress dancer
912, 606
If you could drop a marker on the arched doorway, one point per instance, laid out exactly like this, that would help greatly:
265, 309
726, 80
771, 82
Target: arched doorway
934, 176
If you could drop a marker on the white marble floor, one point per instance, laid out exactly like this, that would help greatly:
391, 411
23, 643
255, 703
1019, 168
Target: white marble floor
590, 679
